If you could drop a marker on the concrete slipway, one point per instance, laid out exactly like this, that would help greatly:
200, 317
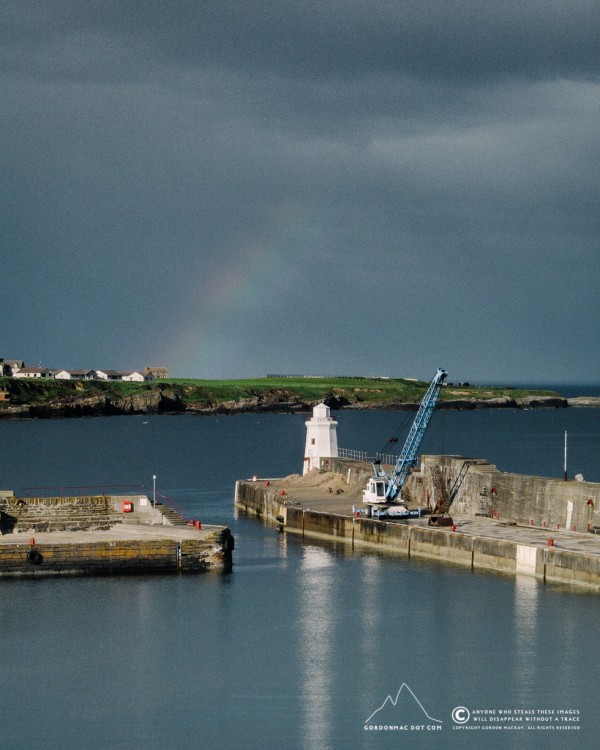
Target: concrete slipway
507, 523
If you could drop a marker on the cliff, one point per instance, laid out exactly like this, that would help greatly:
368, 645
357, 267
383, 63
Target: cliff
54, 400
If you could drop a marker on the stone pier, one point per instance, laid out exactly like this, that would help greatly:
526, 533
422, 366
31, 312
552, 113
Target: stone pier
101, 535
483, 535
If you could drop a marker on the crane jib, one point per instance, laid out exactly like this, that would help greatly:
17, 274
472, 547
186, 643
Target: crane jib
408, 455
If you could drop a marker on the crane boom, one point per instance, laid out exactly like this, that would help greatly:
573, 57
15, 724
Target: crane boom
384, 488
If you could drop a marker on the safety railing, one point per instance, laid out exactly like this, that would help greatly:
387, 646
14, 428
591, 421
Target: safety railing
78, 490
171, 503
352, 454
384, 458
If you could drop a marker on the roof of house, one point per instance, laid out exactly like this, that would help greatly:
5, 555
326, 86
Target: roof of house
32, 369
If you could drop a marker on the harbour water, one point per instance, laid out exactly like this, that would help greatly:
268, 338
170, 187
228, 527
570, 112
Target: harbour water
301, 643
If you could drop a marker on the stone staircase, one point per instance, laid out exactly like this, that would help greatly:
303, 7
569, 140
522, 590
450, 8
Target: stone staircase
170, 515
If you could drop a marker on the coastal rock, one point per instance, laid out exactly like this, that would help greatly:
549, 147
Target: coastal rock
98, 404
32, 400
270, 402
534, 402
505, 402
136, 403
587, 401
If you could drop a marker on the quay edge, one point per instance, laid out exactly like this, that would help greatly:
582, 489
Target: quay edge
486, 537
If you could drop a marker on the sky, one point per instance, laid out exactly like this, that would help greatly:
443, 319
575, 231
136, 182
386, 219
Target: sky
233, 188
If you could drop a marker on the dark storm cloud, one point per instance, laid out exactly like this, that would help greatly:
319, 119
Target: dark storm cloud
338, 38
431, 155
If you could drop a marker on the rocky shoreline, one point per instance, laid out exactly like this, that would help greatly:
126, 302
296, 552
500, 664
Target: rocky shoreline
165, 401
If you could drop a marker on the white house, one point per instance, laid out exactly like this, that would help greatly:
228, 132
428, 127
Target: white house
29, 372
129, 377
111, 374
79, 374
133, 377
57, 374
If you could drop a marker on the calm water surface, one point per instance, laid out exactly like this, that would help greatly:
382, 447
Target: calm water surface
302, 642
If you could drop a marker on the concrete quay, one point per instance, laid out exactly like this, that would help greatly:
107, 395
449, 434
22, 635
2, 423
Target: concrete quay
320, 505
103, 536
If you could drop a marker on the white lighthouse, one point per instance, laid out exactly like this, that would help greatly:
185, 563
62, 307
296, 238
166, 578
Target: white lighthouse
321, 438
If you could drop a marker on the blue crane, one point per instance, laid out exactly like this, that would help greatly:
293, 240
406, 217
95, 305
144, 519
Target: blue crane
385, 488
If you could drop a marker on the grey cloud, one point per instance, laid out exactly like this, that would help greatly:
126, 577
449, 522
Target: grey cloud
435, 164
302, 38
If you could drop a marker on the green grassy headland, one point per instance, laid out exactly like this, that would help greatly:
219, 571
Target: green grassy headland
195, 392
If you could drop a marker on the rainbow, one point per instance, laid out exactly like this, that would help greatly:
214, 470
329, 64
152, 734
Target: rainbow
221, 303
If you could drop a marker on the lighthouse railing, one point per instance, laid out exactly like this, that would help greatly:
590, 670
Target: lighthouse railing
384, 458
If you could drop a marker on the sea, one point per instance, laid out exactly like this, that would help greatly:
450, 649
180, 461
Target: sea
304, 645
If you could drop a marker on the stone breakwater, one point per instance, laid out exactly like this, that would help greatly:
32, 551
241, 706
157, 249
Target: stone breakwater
321, 506
103, 535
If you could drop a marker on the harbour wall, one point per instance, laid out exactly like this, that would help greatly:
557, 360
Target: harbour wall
476, 552
475, 487
84, 513
212, 552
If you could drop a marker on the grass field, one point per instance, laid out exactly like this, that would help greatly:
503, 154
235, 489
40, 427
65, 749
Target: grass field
363, 389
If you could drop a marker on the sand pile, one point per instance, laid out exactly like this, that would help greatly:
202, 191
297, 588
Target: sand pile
326, 481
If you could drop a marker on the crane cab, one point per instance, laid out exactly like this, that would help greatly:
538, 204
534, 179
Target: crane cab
375, 491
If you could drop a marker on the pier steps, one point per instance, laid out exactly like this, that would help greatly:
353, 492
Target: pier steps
171, 516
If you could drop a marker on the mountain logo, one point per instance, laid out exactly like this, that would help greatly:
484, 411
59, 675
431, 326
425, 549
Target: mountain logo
404, 707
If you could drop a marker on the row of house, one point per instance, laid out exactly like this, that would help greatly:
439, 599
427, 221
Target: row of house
14, 368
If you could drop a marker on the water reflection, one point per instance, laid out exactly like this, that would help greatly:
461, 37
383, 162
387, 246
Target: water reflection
318, 641
370, 592
527, 590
